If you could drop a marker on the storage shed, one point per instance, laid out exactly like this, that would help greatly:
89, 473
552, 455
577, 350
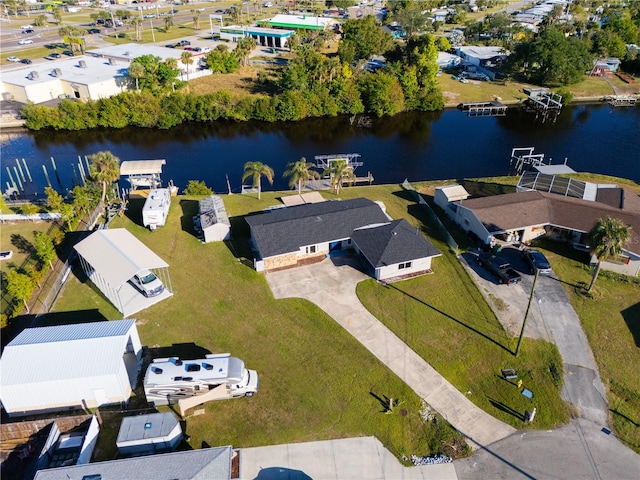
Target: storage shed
212, 222
152, 433
67, 367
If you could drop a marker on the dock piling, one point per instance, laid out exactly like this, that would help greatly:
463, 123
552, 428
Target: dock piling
24, 162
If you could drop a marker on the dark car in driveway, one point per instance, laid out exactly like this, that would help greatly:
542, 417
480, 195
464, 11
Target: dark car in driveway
536, 260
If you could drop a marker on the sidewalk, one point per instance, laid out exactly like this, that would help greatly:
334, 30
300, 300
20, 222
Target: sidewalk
333, 289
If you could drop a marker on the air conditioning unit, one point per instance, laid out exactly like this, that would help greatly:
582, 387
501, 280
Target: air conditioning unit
82, 64
33, 75
112, 61
56, 72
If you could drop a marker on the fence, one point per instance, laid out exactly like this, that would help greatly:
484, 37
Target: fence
58, 275
432, 215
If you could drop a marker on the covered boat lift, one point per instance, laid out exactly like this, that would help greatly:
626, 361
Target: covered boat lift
143, 173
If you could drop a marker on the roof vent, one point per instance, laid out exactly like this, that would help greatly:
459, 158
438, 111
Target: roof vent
56, 72
33, 75
112, 61
176, 361
82, 64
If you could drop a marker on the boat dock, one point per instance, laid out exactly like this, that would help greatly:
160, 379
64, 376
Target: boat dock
325, 183
523, 159
623, 100
484, 109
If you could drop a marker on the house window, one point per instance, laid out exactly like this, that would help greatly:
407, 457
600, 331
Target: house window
404, 265
311, 249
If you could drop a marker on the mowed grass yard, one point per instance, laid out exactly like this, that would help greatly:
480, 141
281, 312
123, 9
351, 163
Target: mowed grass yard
316, 381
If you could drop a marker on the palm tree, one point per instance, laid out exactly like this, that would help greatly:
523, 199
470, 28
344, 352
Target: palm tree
256, 170
168, 22
338, 172
136, 71
137, 25
187, 59
196, 19
606, 239
104, 168
300, 172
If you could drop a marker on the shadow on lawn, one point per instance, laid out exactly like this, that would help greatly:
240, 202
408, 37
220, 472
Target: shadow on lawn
507, 409
460, 322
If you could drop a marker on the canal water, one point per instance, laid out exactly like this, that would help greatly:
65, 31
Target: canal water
417, 146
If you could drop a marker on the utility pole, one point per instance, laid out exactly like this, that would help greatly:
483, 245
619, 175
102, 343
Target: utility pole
526, 314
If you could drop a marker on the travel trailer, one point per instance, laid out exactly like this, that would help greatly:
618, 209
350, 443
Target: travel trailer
216, 377
156, 208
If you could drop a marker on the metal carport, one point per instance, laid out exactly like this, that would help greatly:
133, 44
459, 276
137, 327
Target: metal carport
110, 258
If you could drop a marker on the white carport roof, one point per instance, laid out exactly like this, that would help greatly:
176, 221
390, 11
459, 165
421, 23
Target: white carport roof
141, 167
117, 255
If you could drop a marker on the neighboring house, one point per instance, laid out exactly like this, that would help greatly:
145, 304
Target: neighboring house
212, 223
307, 233
526, 215
395, 249
66, 367
602, 66
150, 433
204, 464
486, 60
111, 257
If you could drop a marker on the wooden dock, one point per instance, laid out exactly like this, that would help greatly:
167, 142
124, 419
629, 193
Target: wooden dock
325, 183
484, 109
623, 100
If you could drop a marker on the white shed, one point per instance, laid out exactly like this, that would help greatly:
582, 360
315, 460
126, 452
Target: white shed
213, 221
151, 433
110, 258
445, 196
67, 367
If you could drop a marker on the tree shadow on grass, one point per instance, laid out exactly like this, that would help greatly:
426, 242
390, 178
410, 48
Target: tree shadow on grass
460, 322
631, 317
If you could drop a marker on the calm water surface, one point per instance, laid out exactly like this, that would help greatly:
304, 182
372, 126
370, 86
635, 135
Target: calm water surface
443, 145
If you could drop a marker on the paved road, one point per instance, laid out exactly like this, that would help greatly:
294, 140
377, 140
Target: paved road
343, 459
331, 285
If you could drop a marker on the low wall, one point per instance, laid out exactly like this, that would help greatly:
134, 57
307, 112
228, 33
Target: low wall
24, 429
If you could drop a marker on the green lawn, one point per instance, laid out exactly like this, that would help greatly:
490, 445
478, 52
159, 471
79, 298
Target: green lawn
316, 381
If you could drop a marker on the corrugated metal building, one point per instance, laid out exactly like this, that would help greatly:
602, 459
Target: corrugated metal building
68, 367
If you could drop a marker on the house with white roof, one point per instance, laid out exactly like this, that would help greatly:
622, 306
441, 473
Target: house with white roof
67, 367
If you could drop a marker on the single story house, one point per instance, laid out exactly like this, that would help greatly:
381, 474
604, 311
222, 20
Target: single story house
67, 367
395, 249
203, 464
481, 56
526, 215
301, 234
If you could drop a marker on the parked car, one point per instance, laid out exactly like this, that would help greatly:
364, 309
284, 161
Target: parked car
26, 61
148, 284
13, 59
183, 43
68, 53
93, 30
25, 41
536, 260
28, 30
53, 56
190, 49
201, 49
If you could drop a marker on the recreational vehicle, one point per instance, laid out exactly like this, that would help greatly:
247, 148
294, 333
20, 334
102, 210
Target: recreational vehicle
156, 208
217, 376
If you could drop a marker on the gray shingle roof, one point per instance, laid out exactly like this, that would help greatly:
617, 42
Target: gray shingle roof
205, 464
287, 229
393, 243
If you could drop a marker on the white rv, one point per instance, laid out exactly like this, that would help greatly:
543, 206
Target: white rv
217, 376
156, 208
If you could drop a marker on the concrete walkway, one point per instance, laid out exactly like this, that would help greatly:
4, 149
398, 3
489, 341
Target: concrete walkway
343, 459
331, 285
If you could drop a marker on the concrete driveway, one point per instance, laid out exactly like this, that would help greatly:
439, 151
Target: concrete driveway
331, 284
